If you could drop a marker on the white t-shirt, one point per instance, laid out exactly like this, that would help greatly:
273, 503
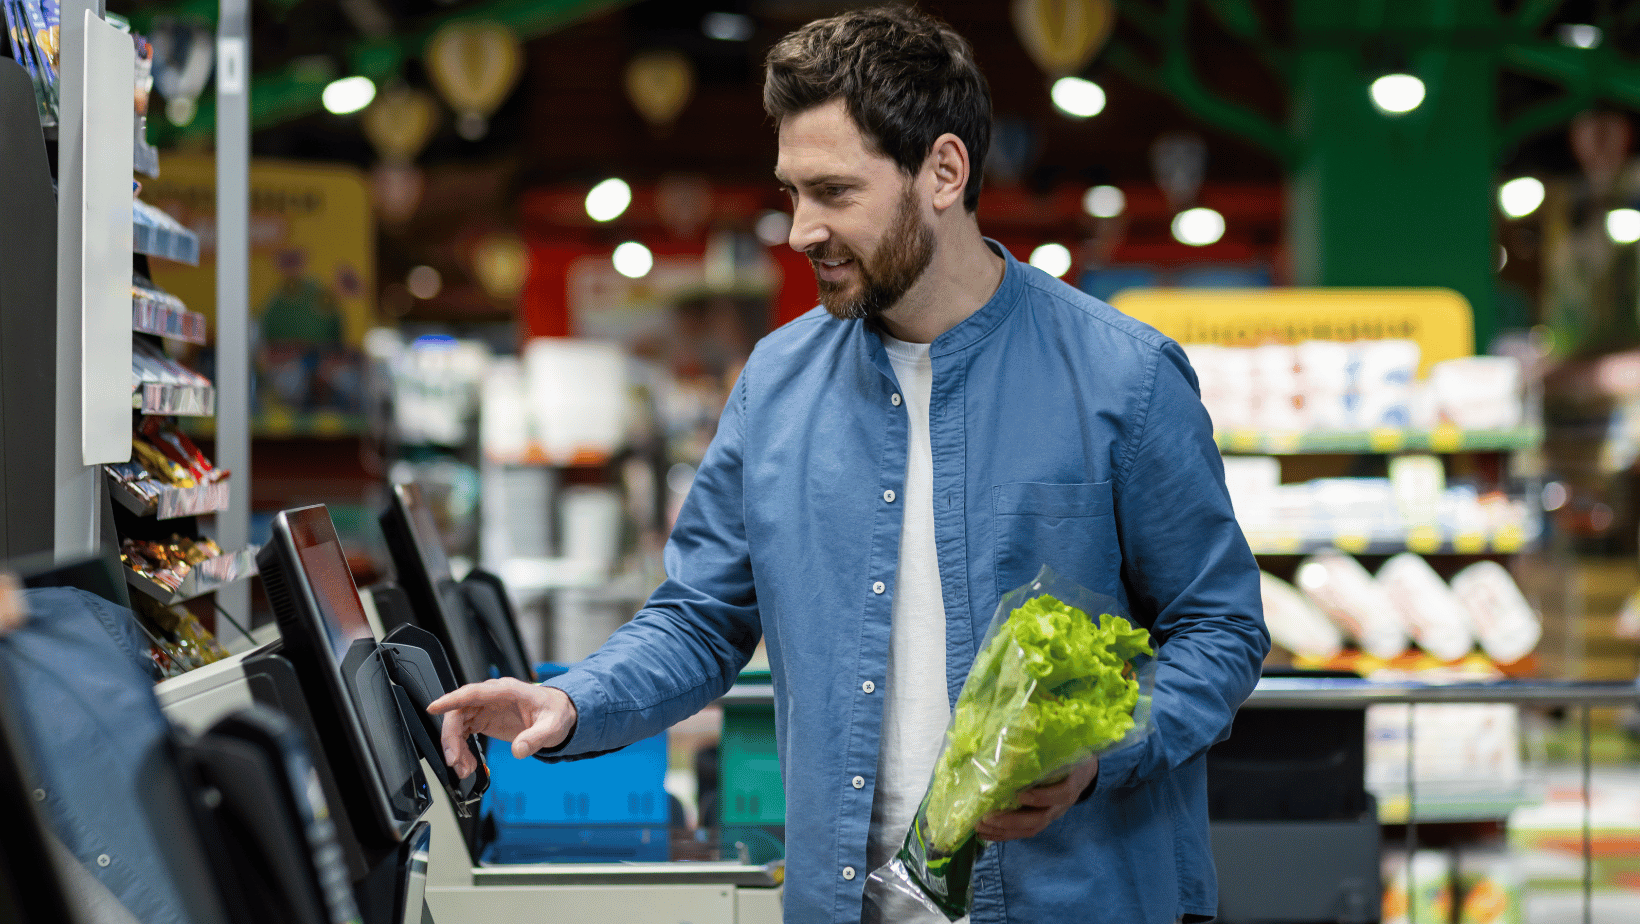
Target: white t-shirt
916, 708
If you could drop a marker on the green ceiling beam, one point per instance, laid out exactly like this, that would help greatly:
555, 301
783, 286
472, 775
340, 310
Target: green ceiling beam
294, 91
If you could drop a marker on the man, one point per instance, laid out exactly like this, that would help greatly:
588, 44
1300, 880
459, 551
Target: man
884, 470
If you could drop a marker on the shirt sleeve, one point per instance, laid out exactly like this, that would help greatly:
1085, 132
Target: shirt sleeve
1186, 561
687, 645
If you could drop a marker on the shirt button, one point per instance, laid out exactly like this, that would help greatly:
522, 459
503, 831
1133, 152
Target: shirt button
888, 495
104, 859
848, 872
878, 587
894, 399
868, 687
39, 795
859, 782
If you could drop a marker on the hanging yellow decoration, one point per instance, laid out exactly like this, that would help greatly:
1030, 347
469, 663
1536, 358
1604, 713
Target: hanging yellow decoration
399, 123
1062, 36
474, 66
659, 83
502, 263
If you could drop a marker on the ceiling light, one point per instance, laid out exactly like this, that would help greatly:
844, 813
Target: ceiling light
1623, 225
609, 199
633, 260
1198, 227
1053, 259
424, 282
1104, 202
1520, 196
1579, 35
1395, 94
348, 95
1078, 98
773, 228
728, 27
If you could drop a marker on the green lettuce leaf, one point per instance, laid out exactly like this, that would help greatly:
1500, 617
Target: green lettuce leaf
1052, 688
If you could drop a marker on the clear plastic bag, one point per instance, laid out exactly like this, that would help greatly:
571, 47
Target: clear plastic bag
1062, 676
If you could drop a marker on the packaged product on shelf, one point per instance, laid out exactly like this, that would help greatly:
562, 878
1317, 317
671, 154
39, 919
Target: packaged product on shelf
180, 637
1489, 884
1294, 622
167, 563
1276, 389
1479, 392
30, 56
1361, 507
1384, 383
1346, 594
1506, 625
1468, 752
164, 435
1428, 609
159, 465
1420, 890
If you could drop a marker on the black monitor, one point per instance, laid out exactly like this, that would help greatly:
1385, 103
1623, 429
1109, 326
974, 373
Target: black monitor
328, 640
472, 620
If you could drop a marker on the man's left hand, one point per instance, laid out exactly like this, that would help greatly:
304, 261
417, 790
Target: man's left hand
1039, 806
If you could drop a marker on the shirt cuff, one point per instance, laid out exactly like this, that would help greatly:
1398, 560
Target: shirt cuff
587, 694
1118, 767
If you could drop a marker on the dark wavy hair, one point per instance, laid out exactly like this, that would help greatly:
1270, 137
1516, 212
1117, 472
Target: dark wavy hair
906, 78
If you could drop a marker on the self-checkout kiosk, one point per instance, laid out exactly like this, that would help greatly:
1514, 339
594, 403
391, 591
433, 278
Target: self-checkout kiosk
126, 817
358, 702
473, 618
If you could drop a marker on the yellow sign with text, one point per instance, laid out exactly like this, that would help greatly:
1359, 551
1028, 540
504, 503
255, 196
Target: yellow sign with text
312, 282
1438, 320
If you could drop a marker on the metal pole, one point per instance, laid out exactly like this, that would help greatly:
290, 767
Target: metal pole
1588, 839
233, 384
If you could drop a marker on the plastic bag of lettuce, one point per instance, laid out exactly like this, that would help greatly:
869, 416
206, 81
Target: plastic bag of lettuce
1062, 676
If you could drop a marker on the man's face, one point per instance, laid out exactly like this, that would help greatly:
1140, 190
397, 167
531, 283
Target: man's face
855, 214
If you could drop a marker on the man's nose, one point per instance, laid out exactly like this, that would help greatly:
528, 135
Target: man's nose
806, 231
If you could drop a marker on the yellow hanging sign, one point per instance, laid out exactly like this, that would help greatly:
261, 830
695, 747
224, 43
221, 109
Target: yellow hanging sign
1062, 36
1438, 320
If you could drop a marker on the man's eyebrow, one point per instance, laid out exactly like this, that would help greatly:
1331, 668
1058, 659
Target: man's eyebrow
825, 179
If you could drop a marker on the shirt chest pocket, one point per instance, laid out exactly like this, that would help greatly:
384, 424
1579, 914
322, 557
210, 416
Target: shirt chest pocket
1071, 528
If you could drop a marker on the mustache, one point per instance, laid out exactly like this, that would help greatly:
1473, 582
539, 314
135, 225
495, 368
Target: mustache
832, 254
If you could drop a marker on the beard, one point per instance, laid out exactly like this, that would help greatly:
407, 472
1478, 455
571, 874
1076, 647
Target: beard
905, 252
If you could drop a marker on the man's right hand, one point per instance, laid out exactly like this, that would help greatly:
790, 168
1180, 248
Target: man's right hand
531, 717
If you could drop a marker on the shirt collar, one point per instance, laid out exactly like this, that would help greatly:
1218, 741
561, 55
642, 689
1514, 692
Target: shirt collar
973, 328
969, 330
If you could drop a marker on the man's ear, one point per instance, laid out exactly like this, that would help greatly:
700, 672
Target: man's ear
948, 160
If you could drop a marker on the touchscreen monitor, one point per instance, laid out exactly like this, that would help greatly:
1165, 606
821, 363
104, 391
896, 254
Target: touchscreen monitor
327, 638
480, 644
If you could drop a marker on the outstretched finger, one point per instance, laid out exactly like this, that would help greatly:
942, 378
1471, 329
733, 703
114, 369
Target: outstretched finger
472, 695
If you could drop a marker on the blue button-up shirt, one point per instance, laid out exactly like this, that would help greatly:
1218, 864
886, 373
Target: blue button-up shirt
1063, 433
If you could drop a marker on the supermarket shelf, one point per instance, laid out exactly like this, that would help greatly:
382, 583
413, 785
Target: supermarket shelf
1476, 801
183, 400
1422, 541
152, 317
1333, 692
157, 235
166, 502
1441, 439
207, 576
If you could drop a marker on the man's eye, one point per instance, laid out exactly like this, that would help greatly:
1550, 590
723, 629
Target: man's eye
835, 191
